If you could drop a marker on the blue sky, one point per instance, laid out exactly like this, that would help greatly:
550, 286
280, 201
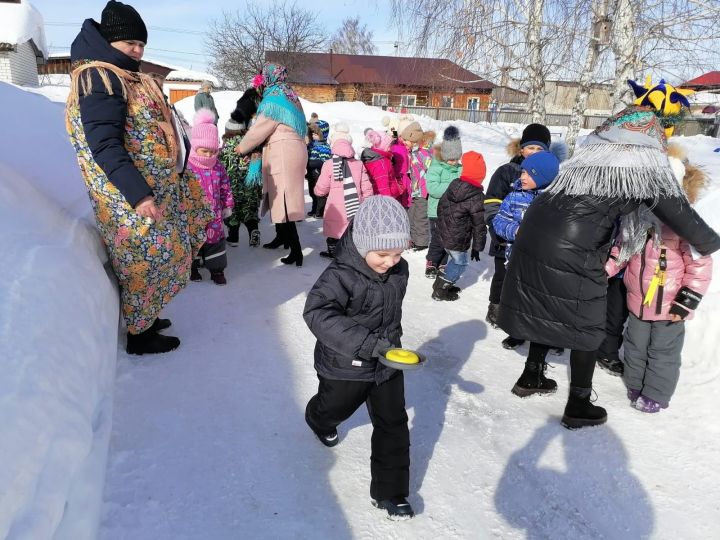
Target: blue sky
176, 28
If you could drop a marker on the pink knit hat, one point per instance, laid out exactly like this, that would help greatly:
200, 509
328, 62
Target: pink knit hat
378, 139
204, 131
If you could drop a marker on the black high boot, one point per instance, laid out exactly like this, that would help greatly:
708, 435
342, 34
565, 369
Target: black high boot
280, 238
150, 342
443, 290
296, 255
533, 381
330, 253
580, 412
492, 315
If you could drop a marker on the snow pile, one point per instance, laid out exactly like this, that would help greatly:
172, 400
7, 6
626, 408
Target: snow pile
21, 23
58, 331
193, 76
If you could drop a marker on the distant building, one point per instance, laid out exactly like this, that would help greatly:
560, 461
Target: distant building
59, 64
560, 97
22, 42
182, 83
708, 81
384, 80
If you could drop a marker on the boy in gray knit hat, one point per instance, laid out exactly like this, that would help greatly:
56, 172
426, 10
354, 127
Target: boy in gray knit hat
355, 310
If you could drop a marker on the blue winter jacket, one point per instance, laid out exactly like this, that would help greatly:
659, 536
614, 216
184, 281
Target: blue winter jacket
512, 210
104, 115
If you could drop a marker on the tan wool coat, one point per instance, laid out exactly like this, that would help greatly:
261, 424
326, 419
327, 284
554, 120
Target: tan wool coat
284, 160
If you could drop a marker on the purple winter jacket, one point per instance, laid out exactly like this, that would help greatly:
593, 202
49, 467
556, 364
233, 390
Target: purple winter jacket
216, 184
682, 271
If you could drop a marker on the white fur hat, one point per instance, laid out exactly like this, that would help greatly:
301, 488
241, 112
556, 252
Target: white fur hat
340, 132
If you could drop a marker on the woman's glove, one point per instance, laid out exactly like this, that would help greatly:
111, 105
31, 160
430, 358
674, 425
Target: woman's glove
474, 255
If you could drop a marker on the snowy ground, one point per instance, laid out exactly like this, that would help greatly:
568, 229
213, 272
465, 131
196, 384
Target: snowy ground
209, 442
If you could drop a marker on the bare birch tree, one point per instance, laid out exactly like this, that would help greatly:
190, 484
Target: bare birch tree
624, 45
353, 38
598, 39
536, 79
237, 42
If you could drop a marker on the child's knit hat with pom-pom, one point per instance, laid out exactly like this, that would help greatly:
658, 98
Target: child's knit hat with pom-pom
451, 146
204, 131
379, 140
341, 132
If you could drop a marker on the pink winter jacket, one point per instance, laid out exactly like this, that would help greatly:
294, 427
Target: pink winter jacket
335, 219
380, 168
401, 164
682, 271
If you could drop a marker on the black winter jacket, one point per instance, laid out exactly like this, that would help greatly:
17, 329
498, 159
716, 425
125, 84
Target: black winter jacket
461, 217
104, 115
349, 308
501, 184
555, 288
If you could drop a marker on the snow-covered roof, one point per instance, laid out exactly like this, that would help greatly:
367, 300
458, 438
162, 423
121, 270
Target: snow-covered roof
20, 23
188, 75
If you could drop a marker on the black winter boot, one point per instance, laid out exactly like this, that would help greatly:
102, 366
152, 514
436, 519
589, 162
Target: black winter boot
492, 315
233, 236
510, 343
580, 412
398, 508
280, 238
442, 290
150, 342
330, 253
291, 236
612, 366
533, 380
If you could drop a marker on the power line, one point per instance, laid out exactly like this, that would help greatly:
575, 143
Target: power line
157, 28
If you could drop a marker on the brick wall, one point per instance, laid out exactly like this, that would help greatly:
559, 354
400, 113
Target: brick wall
19, 66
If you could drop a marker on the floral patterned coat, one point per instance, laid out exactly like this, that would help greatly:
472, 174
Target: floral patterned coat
151, 259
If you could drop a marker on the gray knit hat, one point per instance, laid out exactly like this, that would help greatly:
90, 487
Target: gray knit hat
451, 146
380, 223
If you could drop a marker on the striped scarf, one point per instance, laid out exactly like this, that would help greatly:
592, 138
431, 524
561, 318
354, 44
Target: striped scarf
341, 173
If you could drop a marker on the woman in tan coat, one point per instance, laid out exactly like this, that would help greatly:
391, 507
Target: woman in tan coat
280, 128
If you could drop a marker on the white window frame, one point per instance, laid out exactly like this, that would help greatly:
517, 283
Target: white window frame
377, 100
452, 102
404, 100
476, 99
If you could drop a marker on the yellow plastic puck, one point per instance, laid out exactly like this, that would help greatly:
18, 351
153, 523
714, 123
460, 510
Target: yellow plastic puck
402, 356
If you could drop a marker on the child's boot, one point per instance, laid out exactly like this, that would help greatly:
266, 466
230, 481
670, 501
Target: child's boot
580, 412
612, 366
233, 236
533, 380
255, 238
218, 278
430, 270
442, 290
398, 508
330, 253
648, 405
510, 343
195, 272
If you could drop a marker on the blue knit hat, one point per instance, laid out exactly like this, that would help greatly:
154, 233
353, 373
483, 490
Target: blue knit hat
542, 167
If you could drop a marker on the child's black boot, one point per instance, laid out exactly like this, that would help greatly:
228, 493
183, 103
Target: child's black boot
492, 315
398, 508
442, 290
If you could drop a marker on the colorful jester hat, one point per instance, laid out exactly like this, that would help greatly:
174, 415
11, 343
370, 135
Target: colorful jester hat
669, 103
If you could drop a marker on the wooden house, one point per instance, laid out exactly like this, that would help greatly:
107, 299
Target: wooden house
384, 81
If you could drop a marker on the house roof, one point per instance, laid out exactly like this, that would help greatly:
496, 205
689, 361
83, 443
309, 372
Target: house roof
711, 78
437, 73
20, 23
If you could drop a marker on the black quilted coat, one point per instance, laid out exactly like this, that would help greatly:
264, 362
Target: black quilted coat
349, 308
461, 217
555, 289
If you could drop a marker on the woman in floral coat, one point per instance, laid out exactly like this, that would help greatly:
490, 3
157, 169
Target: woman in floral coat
151, 216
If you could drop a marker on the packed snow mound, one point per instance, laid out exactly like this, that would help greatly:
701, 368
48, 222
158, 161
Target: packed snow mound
192, 76
58, 331
21, 23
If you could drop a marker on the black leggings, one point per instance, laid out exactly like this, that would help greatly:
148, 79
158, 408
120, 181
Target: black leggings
497, 280
582, 363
